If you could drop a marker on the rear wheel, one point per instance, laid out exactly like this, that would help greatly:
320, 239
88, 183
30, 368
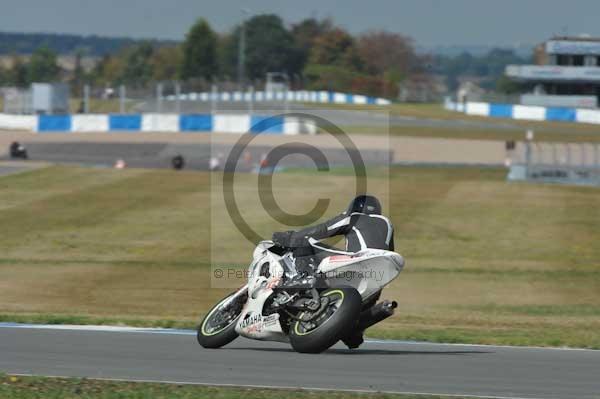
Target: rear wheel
340, 315
217, 329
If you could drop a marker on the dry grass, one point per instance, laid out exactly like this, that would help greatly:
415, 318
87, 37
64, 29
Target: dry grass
101, 106
488, 261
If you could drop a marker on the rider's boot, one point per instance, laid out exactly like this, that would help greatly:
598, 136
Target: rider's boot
354, 340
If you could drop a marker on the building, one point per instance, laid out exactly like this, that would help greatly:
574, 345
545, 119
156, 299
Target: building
566, 73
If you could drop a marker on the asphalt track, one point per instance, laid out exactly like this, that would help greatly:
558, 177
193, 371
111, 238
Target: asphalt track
385, 366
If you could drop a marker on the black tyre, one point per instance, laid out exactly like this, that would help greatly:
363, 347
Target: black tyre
340, 316
217, 329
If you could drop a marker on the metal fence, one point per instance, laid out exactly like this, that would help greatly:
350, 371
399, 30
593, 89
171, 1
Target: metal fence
16, 101
159, 97
568, 163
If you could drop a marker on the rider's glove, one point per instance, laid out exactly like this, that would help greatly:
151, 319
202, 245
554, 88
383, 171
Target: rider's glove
283, 238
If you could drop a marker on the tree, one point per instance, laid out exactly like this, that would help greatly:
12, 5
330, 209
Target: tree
505, 85
43, 66
329, 77
108, 70
336, 47
269, 47
306, 32
17, 75
166, 63
387, 53
199, 52
138, 69
226, 56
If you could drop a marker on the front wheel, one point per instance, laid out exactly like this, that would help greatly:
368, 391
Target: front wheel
217, 329
341, 313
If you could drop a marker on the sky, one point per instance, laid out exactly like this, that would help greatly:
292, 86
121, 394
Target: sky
429, 22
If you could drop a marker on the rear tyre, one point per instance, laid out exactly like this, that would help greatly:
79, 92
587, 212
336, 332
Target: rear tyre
340, 317
217, 329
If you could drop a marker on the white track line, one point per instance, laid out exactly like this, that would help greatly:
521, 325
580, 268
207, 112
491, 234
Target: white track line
172, 331
284, 387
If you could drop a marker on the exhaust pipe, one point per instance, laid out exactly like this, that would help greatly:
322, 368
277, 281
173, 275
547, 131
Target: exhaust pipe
376, 313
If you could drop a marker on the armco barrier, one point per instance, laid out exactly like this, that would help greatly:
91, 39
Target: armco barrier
526, 112
222, 123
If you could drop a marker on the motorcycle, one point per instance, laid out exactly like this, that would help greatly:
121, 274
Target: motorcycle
311, 312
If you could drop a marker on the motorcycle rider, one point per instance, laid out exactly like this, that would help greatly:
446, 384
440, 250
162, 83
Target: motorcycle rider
362, 225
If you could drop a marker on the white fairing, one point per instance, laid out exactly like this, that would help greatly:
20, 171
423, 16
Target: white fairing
368, 271
252, 323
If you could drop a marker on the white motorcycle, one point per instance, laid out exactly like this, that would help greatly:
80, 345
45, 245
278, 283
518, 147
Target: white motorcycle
312, 312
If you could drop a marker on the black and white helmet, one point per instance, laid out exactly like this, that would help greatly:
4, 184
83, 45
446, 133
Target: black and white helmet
365, 204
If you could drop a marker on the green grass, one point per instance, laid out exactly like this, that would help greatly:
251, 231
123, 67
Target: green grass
544, 131
18, 387
487, 261
567, 135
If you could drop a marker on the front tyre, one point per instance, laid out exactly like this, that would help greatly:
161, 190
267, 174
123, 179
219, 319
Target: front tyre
217, 329
343, 305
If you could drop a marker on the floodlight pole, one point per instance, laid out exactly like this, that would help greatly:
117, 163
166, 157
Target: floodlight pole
213, 99
177, 97
122, 95
250, 95
86, 98
159, 97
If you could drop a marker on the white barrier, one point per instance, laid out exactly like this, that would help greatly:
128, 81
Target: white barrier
527, 112
231, 123
221, 123
299, 126
89, 123
482, 109
588, 116
18, 122
358, 99
339, 98
160, 122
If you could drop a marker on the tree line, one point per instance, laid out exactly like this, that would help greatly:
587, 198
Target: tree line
314, 53
62, 43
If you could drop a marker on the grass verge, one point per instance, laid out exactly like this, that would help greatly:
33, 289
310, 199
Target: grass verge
18, 387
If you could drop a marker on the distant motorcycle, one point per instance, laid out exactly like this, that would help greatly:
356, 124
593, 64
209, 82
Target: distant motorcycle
18, 151
312, 312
